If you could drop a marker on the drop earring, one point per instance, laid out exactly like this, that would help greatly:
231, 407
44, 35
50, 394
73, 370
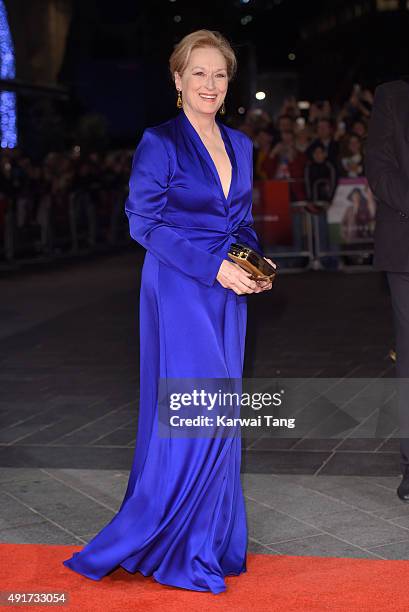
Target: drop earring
179, 103
222, 109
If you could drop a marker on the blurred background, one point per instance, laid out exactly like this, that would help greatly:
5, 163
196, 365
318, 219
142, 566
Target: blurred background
80, 80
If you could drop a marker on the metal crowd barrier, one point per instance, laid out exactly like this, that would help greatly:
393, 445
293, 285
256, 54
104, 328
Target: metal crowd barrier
347, 259
308, 252
74, 226
359, 255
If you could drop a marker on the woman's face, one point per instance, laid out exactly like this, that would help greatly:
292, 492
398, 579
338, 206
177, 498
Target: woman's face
204, 81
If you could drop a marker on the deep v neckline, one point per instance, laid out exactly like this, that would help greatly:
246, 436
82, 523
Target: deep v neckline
229, 150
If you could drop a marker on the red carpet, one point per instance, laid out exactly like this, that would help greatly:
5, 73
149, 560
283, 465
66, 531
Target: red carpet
272, 583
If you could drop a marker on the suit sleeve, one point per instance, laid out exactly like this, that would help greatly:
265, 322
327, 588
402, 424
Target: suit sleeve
148, 187
246, 232
387, 181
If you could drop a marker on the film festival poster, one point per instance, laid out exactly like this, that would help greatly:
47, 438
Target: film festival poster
351, 216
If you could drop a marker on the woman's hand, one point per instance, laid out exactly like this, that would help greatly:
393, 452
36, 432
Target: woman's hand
266, 285
232, 276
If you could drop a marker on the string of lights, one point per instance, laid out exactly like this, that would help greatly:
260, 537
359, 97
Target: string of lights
8, 115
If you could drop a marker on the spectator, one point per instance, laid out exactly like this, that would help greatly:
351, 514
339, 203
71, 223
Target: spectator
303, 139
285, 122
358, 106
320, 185
262, 148
320, 177
359, 127
319, 110
286, 162
82, 203
325, 138
290, 108
248, 126
352, 162
41, 202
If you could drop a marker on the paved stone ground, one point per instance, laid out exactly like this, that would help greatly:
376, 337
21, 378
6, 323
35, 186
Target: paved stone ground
69, 399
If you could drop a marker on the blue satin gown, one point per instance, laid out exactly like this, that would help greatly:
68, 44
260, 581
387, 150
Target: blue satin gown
183, 516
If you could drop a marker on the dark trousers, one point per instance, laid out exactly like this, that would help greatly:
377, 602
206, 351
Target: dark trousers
399, 287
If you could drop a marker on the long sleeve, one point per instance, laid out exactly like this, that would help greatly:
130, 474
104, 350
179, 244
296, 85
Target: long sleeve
386, 180
147, 199
246, 232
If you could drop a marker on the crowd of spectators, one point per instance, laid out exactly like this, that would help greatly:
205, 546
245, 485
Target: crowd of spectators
79, 197
331, 139
312, 145
68, 199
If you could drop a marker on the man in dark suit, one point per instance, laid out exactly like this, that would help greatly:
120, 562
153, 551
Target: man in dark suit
387, 171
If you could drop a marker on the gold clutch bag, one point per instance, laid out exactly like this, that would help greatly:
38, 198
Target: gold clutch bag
251, 261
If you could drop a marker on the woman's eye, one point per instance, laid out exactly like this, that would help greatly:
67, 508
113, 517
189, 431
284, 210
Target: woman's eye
223, 76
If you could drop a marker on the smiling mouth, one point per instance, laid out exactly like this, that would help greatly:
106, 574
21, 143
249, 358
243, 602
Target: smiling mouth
208, 97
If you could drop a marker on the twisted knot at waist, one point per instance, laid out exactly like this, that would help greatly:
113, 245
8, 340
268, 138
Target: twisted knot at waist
233, 231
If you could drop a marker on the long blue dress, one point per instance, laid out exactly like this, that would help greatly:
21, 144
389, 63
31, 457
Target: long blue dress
183, 517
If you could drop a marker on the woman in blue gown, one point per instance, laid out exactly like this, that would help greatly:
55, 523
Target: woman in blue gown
183, 519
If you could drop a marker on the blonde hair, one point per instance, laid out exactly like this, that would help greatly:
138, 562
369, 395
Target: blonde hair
197, 40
